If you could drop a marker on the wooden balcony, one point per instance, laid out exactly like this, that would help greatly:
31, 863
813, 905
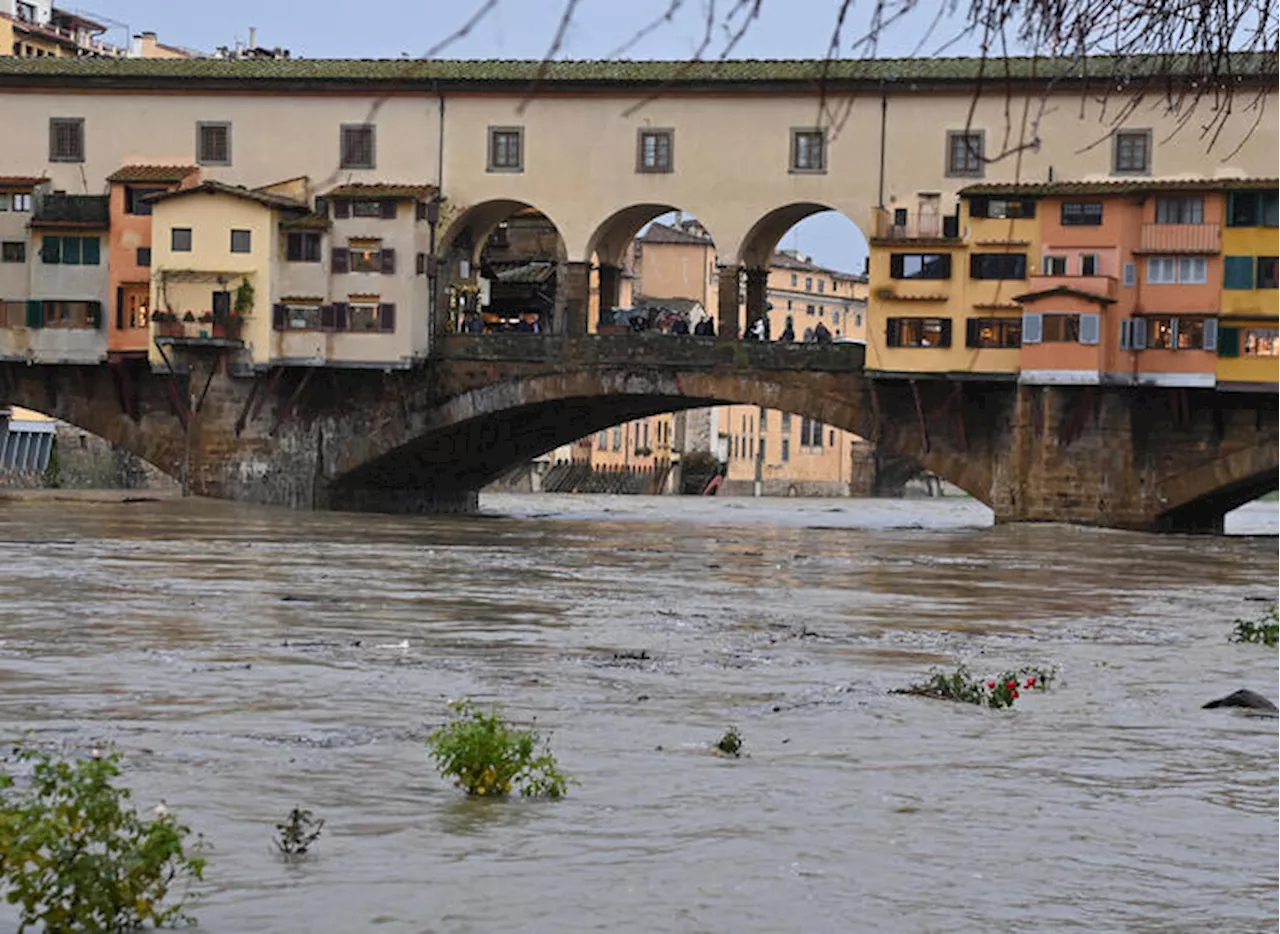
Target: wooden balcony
1181, 238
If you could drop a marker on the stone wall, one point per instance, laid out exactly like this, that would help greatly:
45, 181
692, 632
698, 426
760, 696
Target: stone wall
81, 461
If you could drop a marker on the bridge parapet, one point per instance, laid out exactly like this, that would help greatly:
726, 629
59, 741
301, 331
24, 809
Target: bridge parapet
650, 349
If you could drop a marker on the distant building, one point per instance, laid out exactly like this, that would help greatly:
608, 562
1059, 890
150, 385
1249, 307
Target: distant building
36, 28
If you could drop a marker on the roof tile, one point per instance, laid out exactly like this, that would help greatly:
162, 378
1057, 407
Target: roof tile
1125, 186
220, 188
383, 190
152, 173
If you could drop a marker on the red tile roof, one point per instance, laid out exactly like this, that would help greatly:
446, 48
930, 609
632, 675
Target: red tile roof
235, 191
151, 173
21, 181
1118, 186
383, 190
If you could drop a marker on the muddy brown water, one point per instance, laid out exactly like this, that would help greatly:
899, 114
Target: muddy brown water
247, 660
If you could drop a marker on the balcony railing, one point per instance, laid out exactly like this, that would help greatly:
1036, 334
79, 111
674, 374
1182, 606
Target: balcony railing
1181, 238
900, 224
86, 210
1099, 285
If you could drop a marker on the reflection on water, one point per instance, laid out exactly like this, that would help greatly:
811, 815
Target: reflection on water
247, 660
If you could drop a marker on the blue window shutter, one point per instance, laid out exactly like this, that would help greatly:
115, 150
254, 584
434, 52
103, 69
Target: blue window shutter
1032, 327
1139, 334
35, 309
1237, 272
1089, 329
1211, 334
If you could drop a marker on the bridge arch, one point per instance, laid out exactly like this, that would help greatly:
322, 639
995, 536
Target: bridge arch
469, 231
611, 238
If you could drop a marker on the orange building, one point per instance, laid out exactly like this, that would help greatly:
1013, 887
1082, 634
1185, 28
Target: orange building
129, 250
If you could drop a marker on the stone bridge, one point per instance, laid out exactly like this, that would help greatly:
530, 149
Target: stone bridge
426, 439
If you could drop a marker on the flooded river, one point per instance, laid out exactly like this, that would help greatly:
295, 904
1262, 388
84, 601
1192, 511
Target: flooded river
247, 660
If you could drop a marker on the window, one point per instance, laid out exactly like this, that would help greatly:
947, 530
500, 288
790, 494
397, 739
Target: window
810, 310
1089, 264
70, 251
1190, 334
143, 256
1266, 273
617, 437
1132, 152
1167, 270
602, 440
506, 149
1181, 210
356, 146
786, 450
134, 202
302, 246
66, 139
364, 257
808, 283
241, 241
1060, 329
1002, 208
1130, 275
180, 239
213, 143
13, 251
1260, 342
965, 153
786, 423
368, 316
993, 332
808, 150
920, 265
918, 332
998, 266
70, 314
372, 208
1161, 333
1054, 266
655, 151
1252, 208
1081, 213
810, 433
821, 285
17, 201
794, 280
306, 318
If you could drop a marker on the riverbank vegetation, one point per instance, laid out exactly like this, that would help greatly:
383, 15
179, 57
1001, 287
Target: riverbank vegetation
1264, 630
75, 855
487, 756
730, 743
999, 691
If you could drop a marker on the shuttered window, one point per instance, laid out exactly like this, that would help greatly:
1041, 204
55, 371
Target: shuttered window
1237, 272
357, 146
66, 139
1032, 327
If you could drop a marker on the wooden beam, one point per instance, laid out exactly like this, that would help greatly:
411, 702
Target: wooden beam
924, 426
244, 409
288, 408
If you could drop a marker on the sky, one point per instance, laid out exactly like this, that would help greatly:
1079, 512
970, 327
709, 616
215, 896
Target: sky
527, 28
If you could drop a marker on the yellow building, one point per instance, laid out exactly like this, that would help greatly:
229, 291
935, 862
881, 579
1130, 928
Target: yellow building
933, 277
1248, 335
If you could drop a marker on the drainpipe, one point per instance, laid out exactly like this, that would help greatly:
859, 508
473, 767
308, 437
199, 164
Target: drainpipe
435, 326
884, 116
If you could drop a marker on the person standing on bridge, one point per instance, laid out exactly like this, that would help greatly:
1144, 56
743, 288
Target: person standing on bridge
789, 332
822, 334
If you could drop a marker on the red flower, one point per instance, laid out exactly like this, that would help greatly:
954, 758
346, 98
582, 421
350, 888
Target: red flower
992, 685
1031, 682
1015, 695
1011, 685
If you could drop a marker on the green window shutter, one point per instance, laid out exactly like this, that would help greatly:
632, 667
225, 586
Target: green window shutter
51, 250
71, 251
90, 247
35, 312
1237, 272
1228, 342
94, 315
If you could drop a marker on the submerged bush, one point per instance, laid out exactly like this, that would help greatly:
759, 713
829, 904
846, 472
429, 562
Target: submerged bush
999, 691
75, 856
1264, 631
731, 743
486, 755
297, 833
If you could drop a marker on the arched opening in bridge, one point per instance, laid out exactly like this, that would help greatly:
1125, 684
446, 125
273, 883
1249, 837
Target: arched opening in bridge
504, 268
41, 452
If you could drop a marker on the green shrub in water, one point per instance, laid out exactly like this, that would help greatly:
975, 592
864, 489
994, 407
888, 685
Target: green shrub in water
731, 743
76, 857
297, 833
486, 755
999, 691
1264, 631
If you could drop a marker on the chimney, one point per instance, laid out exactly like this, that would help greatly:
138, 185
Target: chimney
253, 37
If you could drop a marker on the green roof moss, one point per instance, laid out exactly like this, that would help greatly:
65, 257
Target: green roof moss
453, 74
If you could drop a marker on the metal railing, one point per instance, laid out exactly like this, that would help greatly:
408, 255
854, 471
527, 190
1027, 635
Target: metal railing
901, 224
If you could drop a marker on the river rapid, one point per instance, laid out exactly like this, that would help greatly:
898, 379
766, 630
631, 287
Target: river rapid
246, 660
